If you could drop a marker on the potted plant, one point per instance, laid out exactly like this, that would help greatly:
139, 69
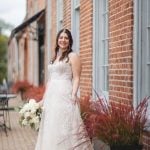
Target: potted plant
119, 125
35, 93
22, 87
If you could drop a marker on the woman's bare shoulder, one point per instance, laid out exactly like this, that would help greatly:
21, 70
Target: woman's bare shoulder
73, 55
74, 58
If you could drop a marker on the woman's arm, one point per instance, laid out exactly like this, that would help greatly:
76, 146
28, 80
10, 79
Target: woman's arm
76, 70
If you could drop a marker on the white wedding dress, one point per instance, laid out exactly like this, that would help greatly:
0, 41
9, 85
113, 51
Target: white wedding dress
61, 125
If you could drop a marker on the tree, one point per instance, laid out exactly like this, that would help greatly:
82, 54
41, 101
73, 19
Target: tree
5, 26
3, 57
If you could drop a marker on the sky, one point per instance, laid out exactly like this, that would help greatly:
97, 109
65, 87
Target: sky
13, 11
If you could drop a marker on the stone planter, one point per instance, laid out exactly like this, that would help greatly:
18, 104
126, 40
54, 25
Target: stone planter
100, 145
126, 147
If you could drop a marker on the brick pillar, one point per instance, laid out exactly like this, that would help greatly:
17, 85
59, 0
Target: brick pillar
86, 22
121, 51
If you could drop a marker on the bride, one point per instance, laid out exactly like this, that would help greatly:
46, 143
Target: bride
61, 125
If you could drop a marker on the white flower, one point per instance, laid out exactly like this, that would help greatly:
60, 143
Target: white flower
35, 120
24, 122
30, 114
27, 114
32, 101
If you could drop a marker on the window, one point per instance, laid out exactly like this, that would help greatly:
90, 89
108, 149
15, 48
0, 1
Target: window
75, 24
76, 4
142, 51
146, 48
100, 48
59, 14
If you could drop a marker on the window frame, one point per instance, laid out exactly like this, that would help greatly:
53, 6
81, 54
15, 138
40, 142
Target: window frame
137, 53
97, 55
75, 24
59, 15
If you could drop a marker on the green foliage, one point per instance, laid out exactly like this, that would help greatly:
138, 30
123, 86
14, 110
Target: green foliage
4, 25
28, 91
3, 57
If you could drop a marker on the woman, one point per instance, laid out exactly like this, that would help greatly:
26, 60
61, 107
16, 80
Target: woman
61, 125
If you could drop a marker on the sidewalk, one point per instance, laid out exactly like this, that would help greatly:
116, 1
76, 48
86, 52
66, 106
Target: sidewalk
19, 138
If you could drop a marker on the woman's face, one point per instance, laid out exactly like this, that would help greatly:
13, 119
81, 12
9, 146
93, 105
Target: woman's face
63, 41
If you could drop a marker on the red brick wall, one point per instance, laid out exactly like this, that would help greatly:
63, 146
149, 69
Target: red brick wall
121, 50
67, 14
86, 11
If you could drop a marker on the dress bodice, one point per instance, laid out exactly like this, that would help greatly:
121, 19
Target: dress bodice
60, 71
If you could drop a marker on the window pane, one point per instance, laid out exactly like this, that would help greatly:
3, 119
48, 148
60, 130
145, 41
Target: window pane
59, 14
148, 12
148, 63
148, 44
76, 4
104, 6
105, 46
75, 25
101, 47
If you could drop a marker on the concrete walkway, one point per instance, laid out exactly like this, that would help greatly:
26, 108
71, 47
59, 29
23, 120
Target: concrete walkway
19, 138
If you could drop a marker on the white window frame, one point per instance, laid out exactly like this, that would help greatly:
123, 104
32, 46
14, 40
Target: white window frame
98, 50
75, 24
59, 14
137, 61
76, 4
138, 48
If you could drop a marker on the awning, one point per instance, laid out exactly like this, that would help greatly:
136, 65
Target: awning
27, 22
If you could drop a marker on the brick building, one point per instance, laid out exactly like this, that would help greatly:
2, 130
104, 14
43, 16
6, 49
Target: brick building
113, 40
26, 44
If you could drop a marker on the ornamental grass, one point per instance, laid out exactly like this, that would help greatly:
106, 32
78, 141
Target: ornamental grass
114, 124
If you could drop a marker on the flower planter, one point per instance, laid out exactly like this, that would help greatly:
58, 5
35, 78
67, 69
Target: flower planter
115, 124
99, 145
126, 147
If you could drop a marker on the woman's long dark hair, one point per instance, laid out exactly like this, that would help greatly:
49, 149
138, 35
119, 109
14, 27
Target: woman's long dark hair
69, 49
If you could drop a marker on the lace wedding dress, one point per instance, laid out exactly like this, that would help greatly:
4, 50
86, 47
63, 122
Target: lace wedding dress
61, 126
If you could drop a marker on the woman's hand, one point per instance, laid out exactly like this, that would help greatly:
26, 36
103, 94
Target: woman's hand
40, 103
74, 99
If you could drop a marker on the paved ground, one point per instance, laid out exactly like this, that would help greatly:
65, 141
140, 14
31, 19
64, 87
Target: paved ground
19, 138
